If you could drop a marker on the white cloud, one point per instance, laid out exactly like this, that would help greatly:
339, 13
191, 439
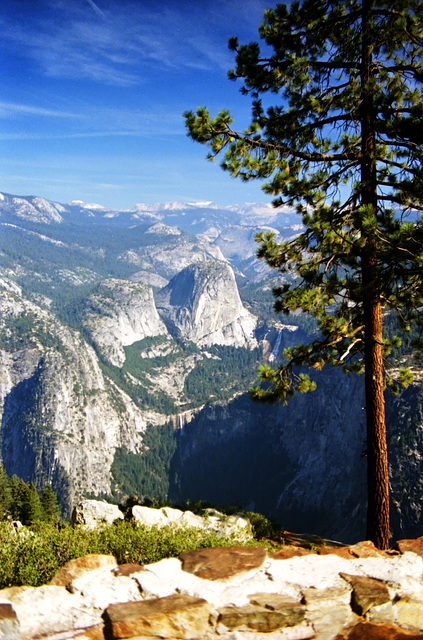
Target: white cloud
133, 39
8, 108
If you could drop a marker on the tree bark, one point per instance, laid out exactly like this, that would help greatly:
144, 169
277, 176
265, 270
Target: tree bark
377, 452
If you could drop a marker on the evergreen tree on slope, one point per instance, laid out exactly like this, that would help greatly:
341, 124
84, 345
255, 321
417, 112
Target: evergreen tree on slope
50, 508
4, 494
343, 144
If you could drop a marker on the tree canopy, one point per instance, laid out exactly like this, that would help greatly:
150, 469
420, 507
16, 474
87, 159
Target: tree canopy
336, 131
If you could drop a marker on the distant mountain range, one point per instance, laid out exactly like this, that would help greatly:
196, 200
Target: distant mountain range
128, 342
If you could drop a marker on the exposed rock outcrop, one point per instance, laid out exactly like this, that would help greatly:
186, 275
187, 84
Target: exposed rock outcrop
237, 593
120, 313
202, 304
209, 520
91, 514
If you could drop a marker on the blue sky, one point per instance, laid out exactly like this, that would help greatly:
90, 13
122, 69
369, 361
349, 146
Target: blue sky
93, 95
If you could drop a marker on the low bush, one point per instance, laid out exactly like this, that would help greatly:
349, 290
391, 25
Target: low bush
32, 556
263, 528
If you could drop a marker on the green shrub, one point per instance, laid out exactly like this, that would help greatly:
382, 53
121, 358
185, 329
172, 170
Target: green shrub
262, 526
33, 556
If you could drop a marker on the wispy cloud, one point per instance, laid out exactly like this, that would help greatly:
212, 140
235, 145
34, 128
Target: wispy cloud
97, 9
10, 108
95, 122
131, 39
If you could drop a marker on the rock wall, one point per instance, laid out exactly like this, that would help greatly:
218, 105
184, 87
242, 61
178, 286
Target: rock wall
236, 593
304, 463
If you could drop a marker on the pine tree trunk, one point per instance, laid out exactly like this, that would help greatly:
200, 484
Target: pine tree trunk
377, 452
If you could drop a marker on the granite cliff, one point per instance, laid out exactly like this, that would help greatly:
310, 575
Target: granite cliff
117, 314
201, 303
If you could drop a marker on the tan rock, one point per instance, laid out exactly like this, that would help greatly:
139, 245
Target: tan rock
415, 546
173, 617
173, 515
9, 624
190, 519
102, 587
93, 633
9, 592
75, 568
328, 610
127, 569
273, 601
409, 614
341, 552
365, 549
290, 551
221, 563
367, 593
370, 631
381, 613
262, 620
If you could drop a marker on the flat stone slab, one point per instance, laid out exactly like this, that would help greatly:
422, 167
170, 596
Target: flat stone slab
273, 601
262, 620
365, 549
176, 617
222, 562
341, 552
76, 568
415, 546
290, 551
367, 593
332, 597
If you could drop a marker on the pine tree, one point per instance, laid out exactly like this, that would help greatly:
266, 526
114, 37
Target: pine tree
50, 508
343, 144
17, 491
4, 493
31, 510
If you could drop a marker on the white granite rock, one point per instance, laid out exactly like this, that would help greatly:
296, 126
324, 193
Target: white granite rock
95, 513
49, 609
102, 587
310, 571
149, 517
237, 525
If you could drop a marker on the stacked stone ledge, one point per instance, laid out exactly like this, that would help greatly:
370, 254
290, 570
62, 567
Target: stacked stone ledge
237, 593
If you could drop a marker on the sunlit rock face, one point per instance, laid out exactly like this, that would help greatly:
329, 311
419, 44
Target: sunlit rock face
202, 304
61, 420
119, 313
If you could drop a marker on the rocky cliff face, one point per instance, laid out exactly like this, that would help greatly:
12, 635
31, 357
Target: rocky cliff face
119, 313
61, 419
202, 304
305, 463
